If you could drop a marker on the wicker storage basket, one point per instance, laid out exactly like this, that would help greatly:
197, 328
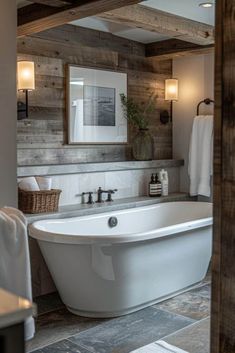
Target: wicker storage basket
39, 201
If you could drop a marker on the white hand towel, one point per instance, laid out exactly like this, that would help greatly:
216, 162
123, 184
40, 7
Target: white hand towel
159, 347
44, 183
15, 272
29, 184
201, 155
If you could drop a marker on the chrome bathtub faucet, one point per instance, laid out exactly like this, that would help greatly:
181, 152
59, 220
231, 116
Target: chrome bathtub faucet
100, 192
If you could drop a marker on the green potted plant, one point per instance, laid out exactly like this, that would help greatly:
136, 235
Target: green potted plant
137, 116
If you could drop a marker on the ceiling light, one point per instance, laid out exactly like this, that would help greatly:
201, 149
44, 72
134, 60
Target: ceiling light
206, 4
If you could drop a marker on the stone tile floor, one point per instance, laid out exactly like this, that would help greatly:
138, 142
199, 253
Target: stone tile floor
194, 338
182, 321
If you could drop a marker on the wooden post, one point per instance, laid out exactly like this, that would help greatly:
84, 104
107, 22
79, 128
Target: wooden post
223, 267
8, 114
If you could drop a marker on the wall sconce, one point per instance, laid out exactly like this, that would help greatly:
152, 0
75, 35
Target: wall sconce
171, 94
26, 83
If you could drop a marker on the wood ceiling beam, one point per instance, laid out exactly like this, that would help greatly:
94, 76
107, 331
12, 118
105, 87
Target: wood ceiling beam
52, 3
36, 18
174, 47
139, 16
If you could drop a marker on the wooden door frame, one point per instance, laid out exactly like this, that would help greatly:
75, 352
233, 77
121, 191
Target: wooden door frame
223, 260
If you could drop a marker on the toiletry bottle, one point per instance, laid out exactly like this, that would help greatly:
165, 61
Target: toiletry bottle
165, 184
152, 186
163, 176
158, 186
160, 174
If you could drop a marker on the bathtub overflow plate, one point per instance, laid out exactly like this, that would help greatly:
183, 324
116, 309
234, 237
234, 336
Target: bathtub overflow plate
112, 222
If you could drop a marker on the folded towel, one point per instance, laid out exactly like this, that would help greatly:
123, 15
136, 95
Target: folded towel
35, 184
201, 156
159, 347
29, 184
44, 183
15, 273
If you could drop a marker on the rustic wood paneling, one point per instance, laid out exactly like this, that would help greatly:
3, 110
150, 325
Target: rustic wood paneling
42, 139
175, 47
223, 279
75, 35
143, 64
40, 155
78, 55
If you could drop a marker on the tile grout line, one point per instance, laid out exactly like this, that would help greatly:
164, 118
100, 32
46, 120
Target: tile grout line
176, 314
81, 345
193, 324
183, 316
179, 315
65, 338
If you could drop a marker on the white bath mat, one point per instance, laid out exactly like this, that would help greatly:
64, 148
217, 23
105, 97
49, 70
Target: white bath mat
159, 347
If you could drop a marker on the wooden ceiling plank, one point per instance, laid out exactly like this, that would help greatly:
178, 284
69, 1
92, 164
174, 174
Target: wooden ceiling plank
139, 16
31, 21
52, 3
174, 47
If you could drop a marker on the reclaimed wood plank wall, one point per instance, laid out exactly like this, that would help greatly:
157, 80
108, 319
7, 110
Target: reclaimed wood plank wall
43, 138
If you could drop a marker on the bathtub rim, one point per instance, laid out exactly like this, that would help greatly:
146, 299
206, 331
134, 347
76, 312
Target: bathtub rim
60, 238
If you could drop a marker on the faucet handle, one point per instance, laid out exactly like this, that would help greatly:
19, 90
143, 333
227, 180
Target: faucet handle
99, 195
110, 192
90, 198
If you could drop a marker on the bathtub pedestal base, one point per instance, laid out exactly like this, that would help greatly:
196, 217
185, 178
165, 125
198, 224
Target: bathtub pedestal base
103, 315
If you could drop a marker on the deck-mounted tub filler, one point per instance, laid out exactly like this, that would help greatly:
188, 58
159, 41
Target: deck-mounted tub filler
115, 263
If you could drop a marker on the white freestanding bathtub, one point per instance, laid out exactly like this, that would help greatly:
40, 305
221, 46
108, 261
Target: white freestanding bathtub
153, 253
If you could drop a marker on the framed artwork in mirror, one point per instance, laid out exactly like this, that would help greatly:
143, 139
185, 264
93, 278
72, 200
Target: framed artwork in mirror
95, 114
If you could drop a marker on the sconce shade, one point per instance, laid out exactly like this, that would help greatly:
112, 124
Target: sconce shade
26, 75
171, 89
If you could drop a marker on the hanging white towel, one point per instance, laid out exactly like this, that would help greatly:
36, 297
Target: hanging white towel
201, 156
15, 273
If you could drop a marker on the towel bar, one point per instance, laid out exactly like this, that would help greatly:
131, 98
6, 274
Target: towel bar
207, 101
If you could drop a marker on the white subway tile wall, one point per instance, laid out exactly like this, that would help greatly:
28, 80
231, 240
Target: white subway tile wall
129, 183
